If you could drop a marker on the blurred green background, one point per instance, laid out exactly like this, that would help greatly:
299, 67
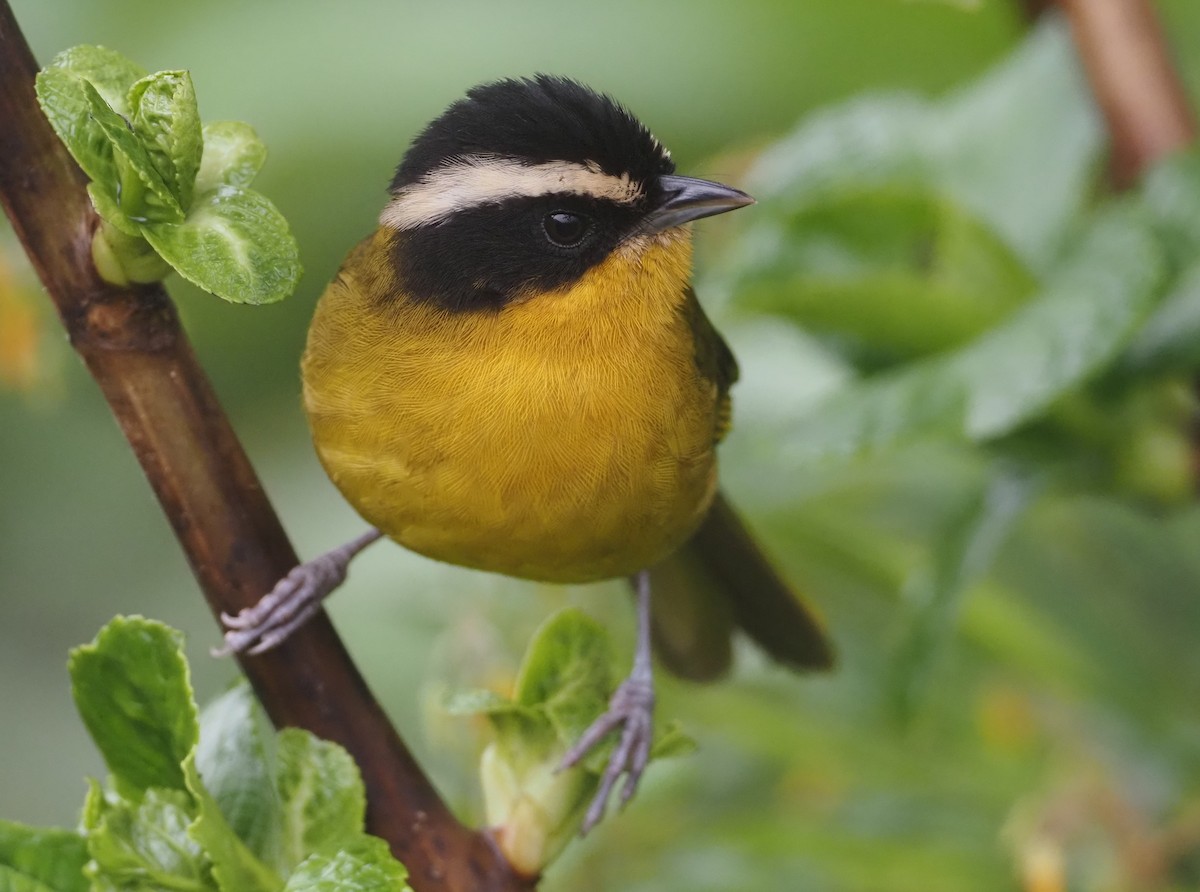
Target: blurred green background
1010, 575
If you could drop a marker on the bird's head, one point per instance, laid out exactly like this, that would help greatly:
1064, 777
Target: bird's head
524, 185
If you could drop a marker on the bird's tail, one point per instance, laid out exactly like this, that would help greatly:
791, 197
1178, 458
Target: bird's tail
721, 580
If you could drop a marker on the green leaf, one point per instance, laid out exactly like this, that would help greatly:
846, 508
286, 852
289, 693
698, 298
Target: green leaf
233, 156
476, 703
1085, 314
13, 881
94, 804
61, 91
133, 690
671, 742
64, 101
33, 859
84, 94
366, 866
110, 211
564, 683
533, 809
144, 845
234, 244
166, 119
107, 70
234, 866
1171, 194
567, 672
1016, 148
140, 190
232, 757
324, 804
1170, 338
900, 271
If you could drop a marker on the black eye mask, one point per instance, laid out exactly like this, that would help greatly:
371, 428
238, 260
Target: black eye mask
484, 257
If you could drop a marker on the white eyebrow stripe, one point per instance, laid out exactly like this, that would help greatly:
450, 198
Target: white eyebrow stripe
475, 180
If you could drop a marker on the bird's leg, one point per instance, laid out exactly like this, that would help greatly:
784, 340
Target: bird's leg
632, 709
294, 599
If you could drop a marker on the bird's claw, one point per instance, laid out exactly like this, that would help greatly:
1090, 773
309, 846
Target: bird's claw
631, 708
282, 610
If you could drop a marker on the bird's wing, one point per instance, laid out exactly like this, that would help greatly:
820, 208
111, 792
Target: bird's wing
714, 359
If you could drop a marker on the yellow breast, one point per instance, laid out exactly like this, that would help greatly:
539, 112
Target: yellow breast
568, 437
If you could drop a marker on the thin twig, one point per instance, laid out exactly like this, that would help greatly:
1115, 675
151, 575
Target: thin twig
132, 343
1134, 80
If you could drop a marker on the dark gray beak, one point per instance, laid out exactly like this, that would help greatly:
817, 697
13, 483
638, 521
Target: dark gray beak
685, 199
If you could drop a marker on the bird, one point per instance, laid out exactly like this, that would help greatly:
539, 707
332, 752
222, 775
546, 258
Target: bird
513, 373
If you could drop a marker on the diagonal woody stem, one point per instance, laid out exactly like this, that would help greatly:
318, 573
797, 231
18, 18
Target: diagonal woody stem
133, 345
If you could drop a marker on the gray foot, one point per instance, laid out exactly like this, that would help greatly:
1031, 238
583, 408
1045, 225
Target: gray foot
292, 602
631, 709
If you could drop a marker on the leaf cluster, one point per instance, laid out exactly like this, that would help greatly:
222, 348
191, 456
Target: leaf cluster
210, 802
172, 193
958, 264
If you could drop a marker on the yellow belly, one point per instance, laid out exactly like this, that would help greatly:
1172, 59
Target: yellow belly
568, 437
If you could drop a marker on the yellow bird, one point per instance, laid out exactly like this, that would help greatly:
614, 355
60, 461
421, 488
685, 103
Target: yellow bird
512, 373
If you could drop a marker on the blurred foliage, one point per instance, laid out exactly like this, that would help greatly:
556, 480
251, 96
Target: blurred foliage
962, 427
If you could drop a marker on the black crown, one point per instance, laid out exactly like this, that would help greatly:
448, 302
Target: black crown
543, 118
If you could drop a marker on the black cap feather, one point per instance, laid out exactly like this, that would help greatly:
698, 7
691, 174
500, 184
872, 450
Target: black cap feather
543, 118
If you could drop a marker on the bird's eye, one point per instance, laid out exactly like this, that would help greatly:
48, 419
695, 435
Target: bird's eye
565, 229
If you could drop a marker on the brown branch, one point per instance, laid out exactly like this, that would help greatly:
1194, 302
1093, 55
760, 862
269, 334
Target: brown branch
132, 343
1033, 9
1134, 80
